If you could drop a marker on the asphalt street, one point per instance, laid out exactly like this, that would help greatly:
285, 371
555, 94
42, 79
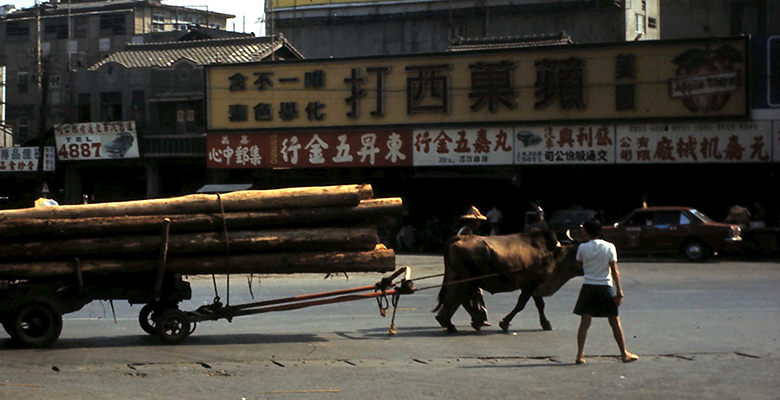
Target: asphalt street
703, 331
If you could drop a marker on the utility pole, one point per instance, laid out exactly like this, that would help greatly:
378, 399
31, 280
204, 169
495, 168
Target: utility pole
41, 83
39, 88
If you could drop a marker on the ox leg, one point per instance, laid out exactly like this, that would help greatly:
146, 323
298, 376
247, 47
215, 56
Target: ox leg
525, 295
475, 306
539, 301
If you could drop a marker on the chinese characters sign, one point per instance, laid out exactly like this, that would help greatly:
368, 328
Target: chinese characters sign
700, 142
97, 141
571, 144
705, 142
25, 159
482, 146
380, 148
658, 79
237, 151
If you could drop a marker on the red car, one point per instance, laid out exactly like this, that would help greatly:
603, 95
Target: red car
679, 230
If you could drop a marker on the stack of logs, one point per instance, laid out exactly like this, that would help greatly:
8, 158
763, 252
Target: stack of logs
325, 229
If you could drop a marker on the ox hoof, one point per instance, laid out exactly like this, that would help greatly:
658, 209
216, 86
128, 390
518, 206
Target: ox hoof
452, 329
477, 325
547, 326
442, 322
504, 326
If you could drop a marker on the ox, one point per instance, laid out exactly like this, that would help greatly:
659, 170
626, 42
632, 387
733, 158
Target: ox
533, 262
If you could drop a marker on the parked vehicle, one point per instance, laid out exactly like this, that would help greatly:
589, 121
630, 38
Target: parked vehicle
681, 230
567, 222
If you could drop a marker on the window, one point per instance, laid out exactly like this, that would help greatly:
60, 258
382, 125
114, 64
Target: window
666, 218
684, 220
652, 22
104, 44
80, 27
84, 108
23, 126
17, 32
22, 80
639, 219
158, 23
111, 106
640, 23
54, 81
748, 17
55, 29
458, 32
112, 24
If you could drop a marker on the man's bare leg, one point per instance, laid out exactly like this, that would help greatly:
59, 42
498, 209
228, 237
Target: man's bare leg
617, 331
582, 334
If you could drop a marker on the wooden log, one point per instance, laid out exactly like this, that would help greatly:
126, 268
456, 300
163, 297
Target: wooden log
245, 200
28, 229
279, 240
378, 260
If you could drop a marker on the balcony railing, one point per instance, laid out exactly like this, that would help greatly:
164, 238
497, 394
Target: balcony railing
182, 145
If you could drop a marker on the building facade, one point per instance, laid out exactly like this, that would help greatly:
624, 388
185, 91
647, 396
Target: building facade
597, 125
331, 28
159, 88
74, 35
719, 18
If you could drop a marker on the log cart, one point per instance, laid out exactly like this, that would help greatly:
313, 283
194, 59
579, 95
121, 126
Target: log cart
55, 260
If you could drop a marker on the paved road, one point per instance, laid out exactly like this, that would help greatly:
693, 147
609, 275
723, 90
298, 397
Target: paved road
703, 331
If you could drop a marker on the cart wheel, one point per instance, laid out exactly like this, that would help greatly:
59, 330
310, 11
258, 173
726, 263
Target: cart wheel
36, 325
173, 326
147, 316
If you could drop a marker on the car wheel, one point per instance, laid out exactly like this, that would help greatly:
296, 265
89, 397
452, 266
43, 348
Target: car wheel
694, 250
36, 325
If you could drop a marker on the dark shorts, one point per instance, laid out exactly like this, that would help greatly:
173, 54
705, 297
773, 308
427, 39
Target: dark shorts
596, 300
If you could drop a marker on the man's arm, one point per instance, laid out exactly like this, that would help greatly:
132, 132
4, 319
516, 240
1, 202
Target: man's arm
616, 281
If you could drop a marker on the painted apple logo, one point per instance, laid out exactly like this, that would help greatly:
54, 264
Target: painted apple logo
705, 78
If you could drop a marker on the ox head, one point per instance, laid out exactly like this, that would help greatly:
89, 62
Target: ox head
565, 262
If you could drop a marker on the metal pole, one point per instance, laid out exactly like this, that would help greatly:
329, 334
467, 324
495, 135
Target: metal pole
39, 86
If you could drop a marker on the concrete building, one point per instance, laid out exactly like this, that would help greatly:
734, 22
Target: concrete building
75, 34
330, 28
719, 18
160, 87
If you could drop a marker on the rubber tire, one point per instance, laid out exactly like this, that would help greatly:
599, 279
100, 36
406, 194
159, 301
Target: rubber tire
36, 325
694, 250
173, 326
147, 316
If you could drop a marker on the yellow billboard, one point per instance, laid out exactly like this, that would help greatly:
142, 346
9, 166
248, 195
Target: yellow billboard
624, 81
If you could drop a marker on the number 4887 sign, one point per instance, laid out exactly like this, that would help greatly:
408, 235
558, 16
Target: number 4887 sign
97, 141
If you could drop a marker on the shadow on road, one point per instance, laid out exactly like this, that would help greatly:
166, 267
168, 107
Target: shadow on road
194, 340
379, 333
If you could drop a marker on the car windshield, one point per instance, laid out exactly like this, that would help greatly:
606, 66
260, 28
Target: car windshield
701, 215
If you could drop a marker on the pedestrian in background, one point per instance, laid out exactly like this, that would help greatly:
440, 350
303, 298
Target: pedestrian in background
601, 292
494, 217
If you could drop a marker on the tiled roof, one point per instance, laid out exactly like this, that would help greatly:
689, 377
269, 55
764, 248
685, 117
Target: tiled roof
201, 52
510, 42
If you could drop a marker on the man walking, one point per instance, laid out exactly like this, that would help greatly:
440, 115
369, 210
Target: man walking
598, 297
